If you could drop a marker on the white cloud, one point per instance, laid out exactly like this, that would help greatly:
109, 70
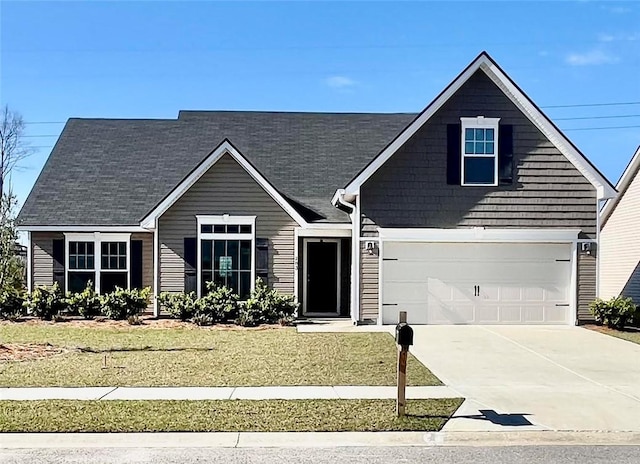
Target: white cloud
621, 36
340, 82
593, 57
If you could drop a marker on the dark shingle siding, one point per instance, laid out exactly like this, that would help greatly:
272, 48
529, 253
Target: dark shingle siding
113, 172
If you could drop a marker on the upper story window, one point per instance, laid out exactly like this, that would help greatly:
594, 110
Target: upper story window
479, 164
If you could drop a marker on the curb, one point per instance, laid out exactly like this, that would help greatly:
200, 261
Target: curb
313, 439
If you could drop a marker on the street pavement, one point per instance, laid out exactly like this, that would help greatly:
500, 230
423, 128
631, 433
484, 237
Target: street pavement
364, 455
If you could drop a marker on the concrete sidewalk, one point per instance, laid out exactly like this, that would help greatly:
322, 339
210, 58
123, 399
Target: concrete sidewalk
222, 393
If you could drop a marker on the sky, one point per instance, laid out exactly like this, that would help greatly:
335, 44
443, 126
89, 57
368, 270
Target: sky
579, 61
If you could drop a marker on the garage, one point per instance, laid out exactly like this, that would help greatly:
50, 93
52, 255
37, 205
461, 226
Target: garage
477, 283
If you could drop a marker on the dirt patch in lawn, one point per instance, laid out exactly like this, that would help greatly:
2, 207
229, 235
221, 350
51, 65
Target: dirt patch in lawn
28, 351
146, 323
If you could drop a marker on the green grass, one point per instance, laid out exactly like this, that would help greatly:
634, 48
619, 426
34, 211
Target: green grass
227, 416
193, 356
629, 335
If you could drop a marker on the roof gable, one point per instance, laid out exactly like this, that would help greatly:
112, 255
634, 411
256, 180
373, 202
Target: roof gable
225, 148
486, 64
629, 175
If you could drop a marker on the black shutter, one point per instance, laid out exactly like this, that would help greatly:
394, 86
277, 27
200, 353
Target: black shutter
262, 259
190, 265
136, 264
58, 262
454, 142
505, 154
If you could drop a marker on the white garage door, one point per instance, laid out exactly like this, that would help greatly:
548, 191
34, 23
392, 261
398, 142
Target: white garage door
476, 283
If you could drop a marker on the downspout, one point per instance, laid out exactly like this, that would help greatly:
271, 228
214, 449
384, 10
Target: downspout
156, 267
29, 263
341, 203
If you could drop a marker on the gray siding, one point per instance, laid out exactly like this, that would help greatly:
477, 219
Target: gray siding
226, 189
411, 189
369, 265
586, 285
42, 257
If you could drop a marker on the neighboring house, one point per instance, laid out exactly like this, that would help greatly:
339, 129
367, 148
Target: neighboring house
473, 211
619, 239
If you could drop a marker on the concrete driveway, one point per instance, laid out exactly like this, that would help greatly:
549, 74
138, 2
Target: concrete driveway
535, 377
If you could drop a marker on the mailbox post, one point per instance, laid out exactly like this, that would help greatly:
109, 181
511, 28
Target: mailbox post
404, 339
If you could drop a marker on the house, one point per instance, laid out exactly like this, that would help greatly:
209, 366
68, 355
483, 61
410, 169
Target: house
619, 244
477, 210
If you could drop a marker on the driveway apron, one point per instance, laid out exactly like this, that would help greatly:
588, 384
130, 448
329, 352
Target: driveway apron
535, 377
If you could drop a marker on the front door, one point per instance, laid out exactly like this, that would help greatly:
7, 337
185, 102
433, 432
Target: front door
322, 288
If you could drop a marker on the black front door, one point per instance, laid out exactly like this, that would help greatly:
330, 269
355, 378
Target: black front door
322, 277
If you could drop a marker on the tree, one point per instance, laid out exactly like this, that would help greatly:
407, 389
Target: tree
13, 148
11, 266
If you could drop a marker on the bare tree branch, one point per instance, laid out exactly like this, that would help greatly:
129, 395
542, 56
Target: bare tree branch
13, 148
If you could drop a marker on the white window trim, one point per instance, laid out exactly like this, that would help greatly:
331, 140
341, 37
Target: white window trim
224, 219
479, 122
97, 238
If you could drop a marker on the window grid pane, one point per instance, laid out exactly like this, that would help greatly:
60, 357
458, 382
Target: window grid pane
114, 255
80, 255
227, 262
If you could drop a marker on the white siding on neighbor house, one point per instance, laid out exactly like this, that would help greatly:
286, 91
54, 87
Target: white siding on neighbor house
620, 246
226, 188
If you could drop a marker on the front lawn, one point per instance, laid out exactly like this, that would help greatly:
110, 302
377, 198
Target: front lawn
112, 354
223, 416
631, 335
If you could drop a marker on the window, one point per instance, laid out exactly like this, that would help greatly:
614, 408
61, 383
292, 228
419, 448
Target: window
479, 151
107, 270
113, 266
81, 265
225, 253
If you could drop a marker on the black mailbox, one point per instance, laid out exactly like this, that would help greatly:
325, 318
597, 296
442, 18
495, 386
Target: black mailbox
404, 334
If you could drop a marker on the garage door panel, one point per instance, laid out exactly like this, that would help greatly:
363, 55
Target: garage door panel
517, 283
416, 313
406, 292
440, 312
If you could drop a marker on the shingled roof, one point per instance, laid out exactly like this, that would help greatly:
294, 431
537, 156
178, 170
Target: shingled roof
114, 171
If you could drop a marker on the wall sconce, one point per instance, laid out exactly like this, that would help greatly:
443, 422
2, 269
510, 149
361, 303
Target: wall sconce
371, 247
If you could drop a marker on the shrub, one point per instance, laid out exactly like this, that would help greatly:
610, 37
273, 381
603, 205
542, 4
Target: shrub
202, 319
86, 303
267, 306
11, 305
45, 302
219, 304
615, 313
180, 305
122, 304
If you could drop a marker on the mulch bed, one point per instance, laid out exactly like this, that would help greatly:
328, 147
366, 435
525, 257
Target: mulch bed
28, 351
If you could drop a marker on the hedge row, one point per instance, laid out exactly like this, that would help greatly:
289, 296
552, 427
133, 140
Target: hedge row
264, 306
50, 303
220, 304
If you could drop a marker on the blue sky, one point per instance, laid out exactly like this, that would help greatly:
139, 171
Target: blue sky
150, 59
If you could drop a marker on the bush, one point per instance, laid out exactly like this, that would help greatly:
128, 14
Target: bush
45, 302
122, 304
267, 306
219, 304
11, 305
615, 313
86, 303
180, 305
